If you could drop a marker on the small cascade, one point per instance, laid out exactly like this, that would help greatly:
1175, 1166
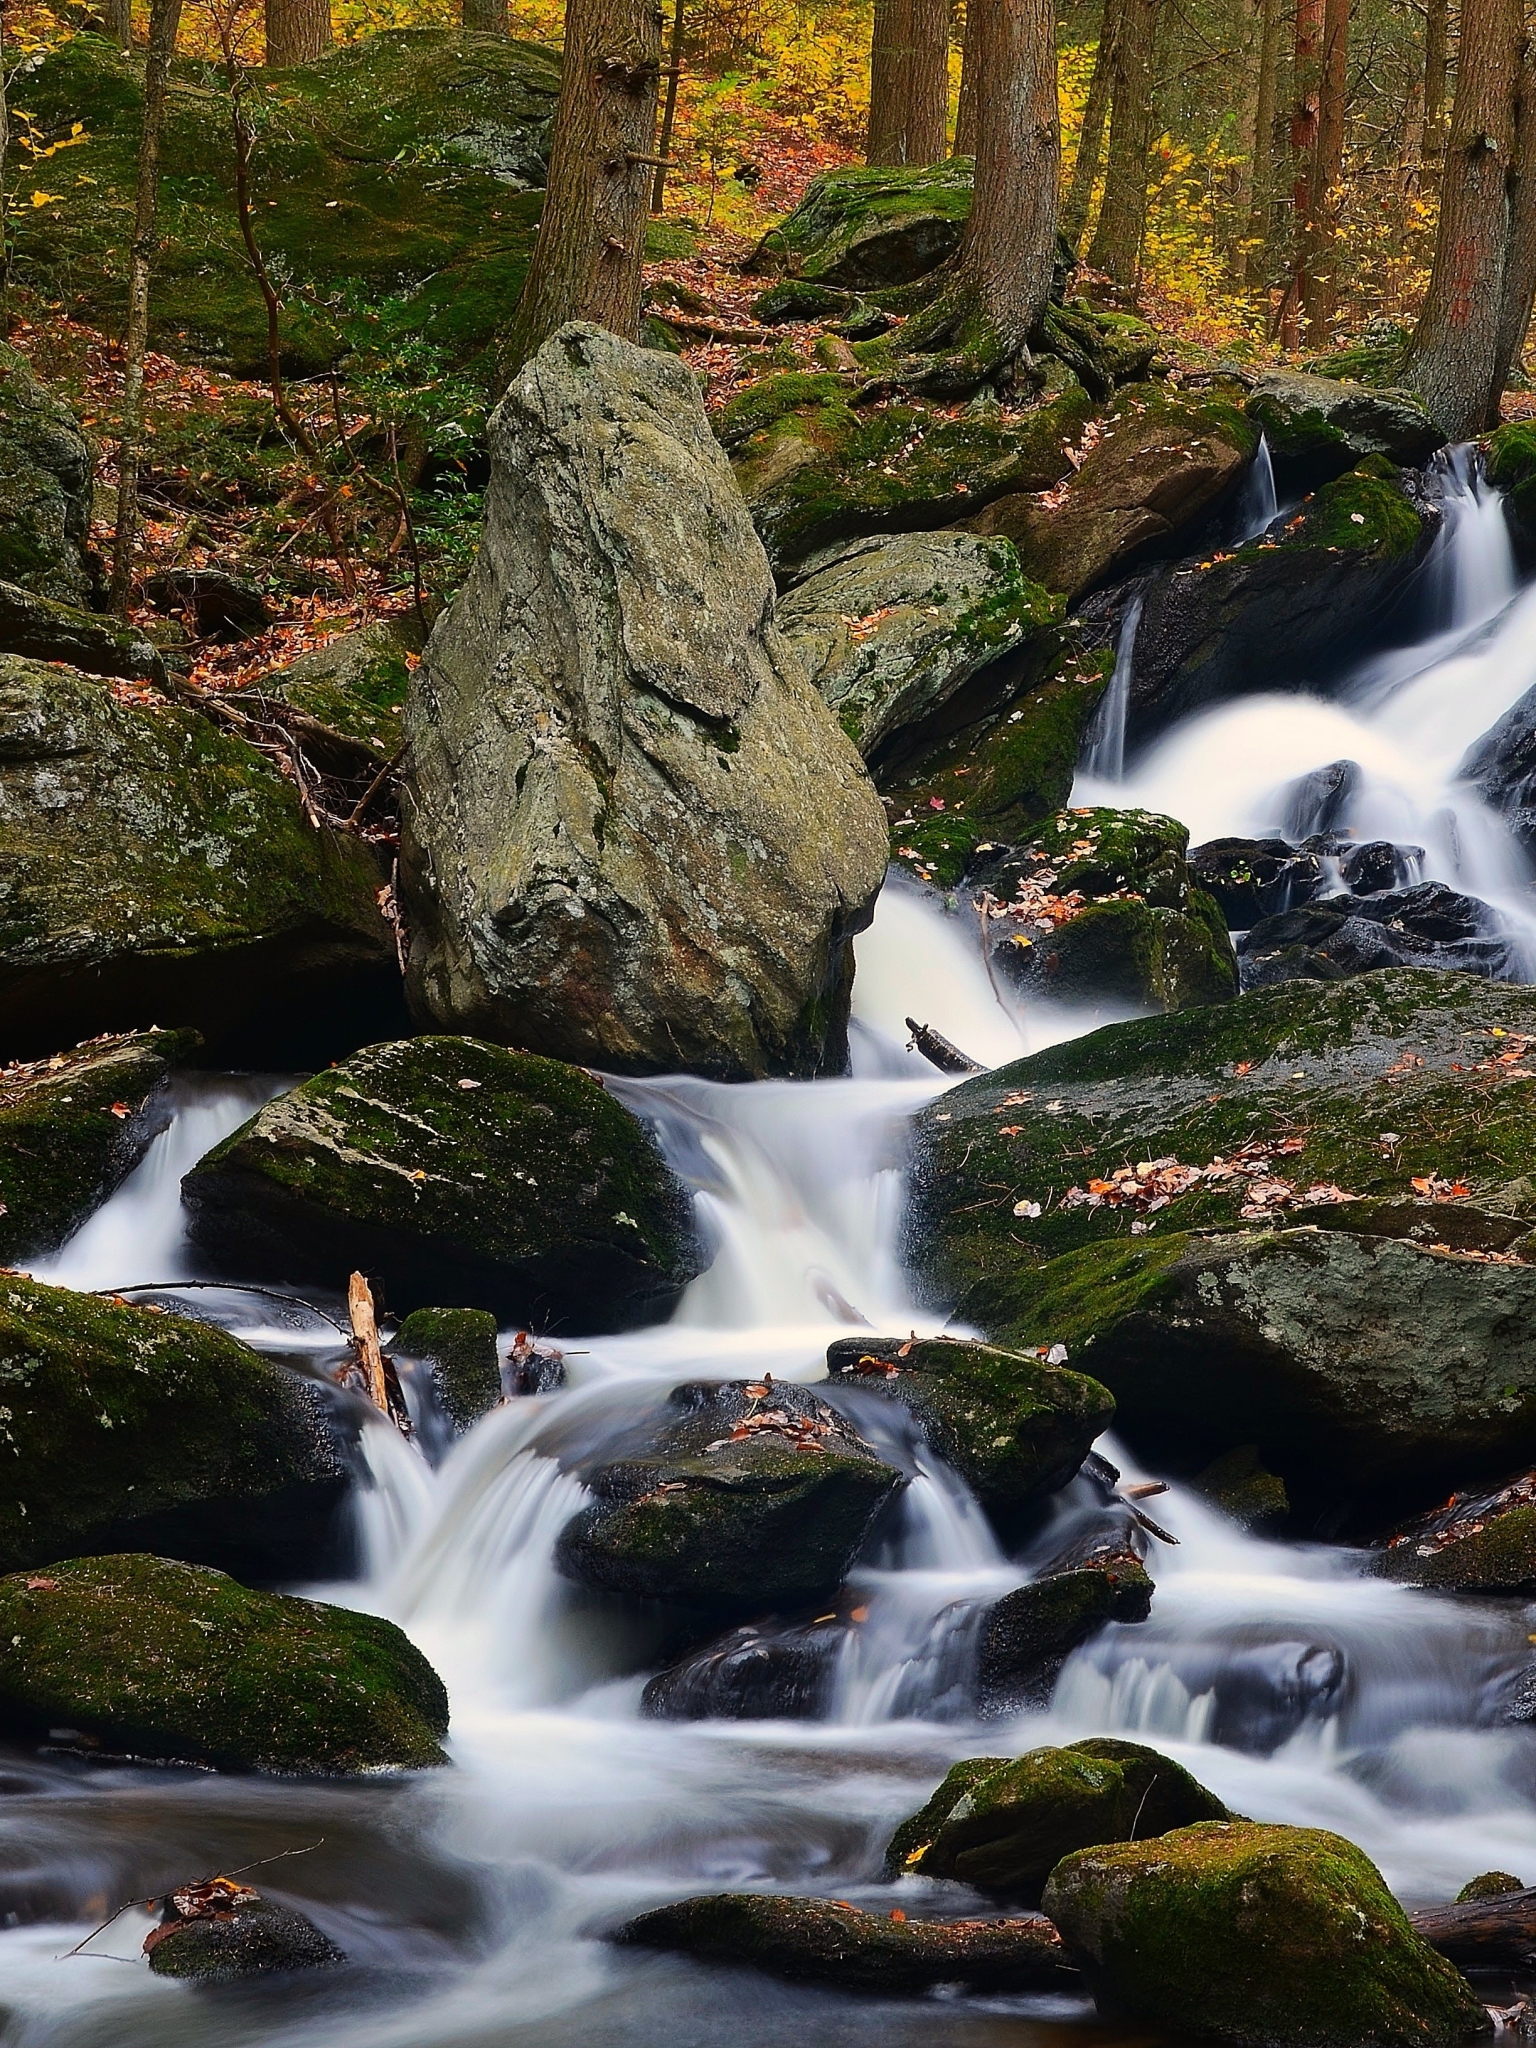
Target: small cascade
1104, 757
1258, 505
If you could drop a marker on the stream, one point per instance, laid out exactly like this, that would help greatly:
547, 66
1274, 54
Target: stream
1296, 1688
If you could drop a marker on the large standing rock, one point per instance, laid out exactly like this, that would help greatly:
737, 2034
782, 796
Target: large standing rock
125, 1429
633, 832
46, 467
462, 1175
1257, 1937
154, 868
142, 1656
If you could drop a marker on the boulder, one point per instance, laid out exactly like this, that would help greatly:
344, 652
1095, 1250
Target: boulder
153, 866
1002, 1825
1318, 427
216, 604
1501, 766
46, 467
46, 630
458, 1348
633, 833
1241, 1487
72, 1127
761, 1672
816, 471
1253, 879
1473, 1543
735, 1500
1164, 461
1491, 1884
868, 226
1029, 1634
234, 1932
457, 1173
828, 1941
136, 1430
356, 683
1014, 1427
1257, 1937
1427, 924
1509, 463
140, 1656
891, 629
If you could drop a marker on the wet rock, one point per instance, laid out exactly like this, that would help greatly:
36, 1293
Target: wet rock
1165, 460
46, 630
870, 226
763, 1672
1319, 427
890, 629
1427, 924
670, 878
533, 1367
249, 1936
217, 605
737, 1499
1236, 1933
1510, 464
829, 1942
355, 683
1029, 1634
1014, 1427
1238, 1483
1252, 879
141, 1656
458, 1348
46, 466
1004, 1829
152, 866
459, 1173
1475, 1543
1501, 766
135, 1430
72, 1127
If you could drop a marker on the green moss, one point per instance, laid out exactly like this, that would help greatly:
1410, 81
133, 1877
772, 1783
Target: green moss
355, 683
152, 1658
871, 225
1238, 1484
1498, 1558
459, 1345
918, 1831
45, 489
1493, 1884
1364, 511
761, 405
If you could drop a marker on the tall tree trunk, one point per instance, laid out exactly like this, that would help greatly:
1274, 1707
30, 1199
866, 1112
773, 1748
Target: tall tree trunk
1242, 191
1436, 15
1116, 248
1317, 279
1453, 358
1519, 286
669, 107
119, 19
1261, 182
970, 88
298, 31
1090, 147
1306, 98
586, 262
486, 17
908, 82
164, 20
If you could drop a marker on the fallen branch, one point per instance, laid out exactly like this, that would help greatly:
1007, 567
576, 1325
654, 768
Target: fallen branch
937, 1050
1499, 1932
709, 330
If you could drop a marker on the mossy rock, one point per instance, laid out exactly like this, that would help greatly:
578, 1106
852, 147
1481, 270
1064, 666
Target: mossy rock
871, 225
1375, 357
1318, 427
458, 1347
726, 1526
1030, 1633
122, 1428
49, 631
141, 1656
1257, 1937
251, 1937
355, 683
1492, 1884
1472, 1546
46, 466
398, 170
1005, 1829
457, 1173
816, 471
1239, 1485
152, 866
72, 1127
1510, 465
1013, 1427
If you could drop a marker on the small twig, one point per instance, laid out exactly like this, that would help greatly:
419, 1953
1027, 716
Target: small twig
155, 1897
373, 789
1144, 1798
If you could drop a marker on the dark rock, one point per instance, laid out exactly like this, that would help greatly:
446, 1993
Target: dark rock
219, 606
1015, 1428
71, 1128
1319, 802
729, 1525
799, 298
1476, 1543
1257, 1937
1254, 878
1029, 1634
151, 865
1510, 465
251, 1937
143, 1657
829, 1942
763, 1672
1239, 1485
671, 876
46, 466
458, 1348
1319, 427
1501, 766
533, 1367
1425, 925
456, 1172
876, 226
46, 630
135, 1430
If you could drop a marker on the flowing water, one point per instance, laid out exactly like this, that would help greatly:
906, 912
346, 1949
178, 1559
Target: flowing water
1294, 1686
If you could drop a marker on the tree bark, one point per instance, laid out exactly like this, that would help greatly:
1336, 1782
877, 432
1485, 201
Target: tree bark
908, 82
1306, 85
1117, 239
970, 86
120, 23
1436, 15
669, 108
1316, 255
586, 262
486, 17
1452, 360
1519, 284
1485, 1933
298, 31
1261, 183
1090, 147
164, 20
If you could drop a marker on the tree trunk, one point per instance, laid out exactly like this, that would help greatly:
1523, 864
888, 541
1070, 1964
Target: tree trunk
1117, 239
1495, 1933
586, 262
119, 20
669, 109
970, 87
1436, 14
298, 31
1453, 358
1318, 282
1519, 285
1307, 85
164, 20
486, 17
1261, 184
908, 82
1090, 147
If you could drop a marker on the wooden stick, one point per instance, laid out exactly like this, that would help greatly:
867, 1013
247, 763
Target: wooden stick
1490, 1933
365, 1335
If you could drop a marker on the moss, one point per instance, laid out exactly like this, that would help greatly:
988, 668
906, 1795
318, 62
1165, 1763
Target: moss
1493, 1884
918, 1831
1364, 511
1511, 466
459, 1345
760, 405
1236, 1933
797, 298
45, 490
153, 1658
1500, 1557
355, 683
874, 225
1238, 1484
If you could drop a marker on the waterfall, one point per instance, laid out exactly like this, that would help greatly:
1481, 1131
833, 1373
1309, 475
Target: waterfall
1104, 756
1258, 505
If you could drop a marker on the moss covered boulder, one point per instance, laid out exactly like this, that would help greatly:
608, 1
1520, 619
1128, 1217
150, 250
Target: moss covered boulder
71, 1127
153, 867
458, 1348
141, 1656
828, 1941
1164, 461
1014, 1427
1003, 1824
815, 470
893, 628
235, 1934
46, 466
737, 1499
1474, 1543
868, 226
1510, 464
1317, 427
121, 1428
460, 1174
355, 683
1257, 1937
49, 631
1029, 1634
